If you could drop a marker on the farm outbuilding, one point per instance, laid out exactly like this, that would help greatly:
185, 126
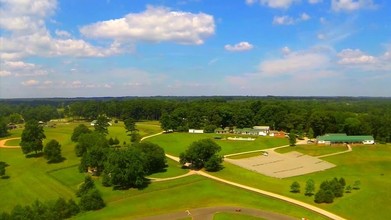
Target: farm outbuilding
343, 138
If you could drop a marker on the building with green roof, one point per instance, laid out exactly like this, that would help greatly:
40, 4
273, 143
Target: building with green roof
343, 138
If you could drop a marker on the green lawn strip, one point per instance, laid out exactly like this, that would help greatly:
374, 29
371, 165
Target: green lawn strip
173, 169
369, 164
14, 142
236, 216
313, 150
148, 128
175, 143
28, 180
186, 193
68, 176
247, 155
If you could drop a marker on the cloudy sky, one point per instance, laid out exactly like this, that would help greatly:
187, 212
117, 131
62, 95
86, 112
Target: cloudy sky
84, 48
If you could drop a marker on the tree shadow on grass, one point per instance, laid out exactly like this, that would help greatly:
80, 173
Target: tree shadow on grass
5, 177
141, 187
57, 161
40, 154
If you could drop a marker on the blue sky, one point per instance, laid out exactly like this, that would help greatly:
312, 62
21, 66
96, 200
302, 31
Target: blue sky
84, 48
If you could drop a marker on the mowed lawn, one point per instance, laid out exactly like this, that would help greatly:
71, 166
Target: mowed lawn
33, 178
175, 143
313, 149
369, 164
186, 193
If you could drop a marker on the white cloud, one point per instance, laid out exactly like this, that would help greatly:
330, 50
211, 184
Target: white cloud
156, 24
283, 20
350, 56
303, 62
242, 46
4, 73
273, 3
31, 82
304, 17
321, 36
314, 1
22, 69
63, 34
26, 34
351, 5
288, 20
285, 50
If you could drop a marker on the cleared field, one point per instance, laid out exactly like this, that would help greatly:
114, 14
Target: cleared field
175, 143
369, 164
186, 193
313, 150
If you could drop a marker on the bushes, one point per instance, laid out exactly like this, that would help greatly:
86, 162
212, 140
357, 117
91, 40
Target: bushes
59, 209
328, 189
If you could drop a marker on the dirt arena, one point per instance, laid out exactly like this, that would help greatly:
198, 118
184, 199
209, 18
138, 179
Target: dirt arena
282, 165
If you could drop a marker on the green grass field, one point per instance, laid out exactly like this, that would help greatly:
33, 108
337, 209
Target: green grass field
175, 143
14, 142
182, 194
313, 150
236, 216
369, 164
33, 178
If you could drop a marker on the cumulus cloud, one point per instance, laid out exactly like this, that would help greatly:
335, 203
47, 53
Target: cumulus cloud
284, 4
26, 34
283, 20
350, 56
351, 5
21, 69
288, 20
242, 46
4, 73
156, 24
314, 1
31, 82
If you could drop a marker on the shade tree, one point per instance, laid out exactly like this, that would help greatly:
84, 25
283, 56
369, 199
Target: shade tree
52, 152
199, 152
32, 137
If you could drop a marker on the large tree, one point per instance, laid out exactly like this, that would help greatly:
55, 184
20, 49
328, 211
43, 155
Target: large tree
79, 130
32, 137
52, 151
3, 128
88, 141
155, 158
102, 124
125, 168
199, 153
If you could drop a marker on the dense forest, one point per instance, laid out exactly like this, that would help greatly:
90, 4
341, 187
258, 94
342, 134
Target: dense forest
319, 115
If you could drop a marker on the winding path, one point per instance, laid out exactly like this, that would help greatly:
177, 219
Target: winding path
2, 143
263, 192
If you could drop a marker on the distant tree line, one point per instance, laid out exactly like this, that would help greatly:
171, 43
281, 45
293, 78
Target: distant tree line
313, 116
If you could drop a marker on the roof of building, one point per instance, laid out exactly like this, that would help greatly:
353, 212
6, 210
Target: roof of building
345, 138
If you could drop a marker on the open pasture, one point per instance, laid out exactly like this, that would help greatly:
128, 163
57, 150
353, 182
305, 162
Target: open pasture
175, 143
313, 149
369, 164
183, 194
